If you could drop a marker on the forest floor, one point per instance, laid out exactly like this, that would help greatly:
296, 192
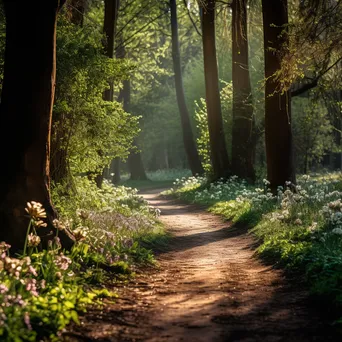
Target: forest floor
208, 286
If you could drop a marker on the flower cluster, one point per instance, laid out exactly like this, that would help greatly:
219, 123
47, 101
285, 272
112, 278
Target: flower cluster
290, 205
62, 262
36, 213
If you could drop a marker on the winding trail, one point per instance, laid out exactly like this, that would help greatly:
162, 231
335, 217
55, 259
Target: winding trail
209, 287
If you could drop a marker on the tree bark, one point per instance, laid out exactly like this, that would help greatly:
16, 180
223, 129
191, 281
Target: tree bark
278, 135
218, 150
77, 9
115, 167
26, 150
243, 137
135, 164
188, 137
109, 28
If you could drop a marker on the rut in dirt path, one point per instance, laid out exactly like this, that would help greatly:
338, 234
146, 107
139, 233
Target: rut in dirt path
209, 287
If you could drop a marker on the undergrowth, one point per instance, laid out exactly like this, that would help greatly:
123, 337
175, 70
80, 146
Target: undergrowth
299, 229
43, 290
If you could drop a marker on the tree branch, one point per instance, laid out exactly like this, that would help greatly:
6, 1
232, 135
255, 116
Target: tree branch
190, 17
314, 83
129, 39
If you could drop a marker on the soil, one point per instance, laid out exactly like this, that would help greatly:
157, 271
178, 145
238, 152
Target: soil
209, 286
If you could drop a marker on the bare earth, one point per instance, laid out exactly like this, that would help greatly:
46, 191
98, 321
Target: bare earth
209, 287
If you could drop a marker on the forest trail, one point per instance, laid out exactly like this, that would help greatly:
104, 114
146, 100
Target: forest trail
209, 287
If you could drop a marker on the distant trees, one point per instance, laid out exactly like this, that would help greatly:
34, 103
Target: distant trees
25, 174
134, 160
188, 137
135, 164
111, 10
218, 150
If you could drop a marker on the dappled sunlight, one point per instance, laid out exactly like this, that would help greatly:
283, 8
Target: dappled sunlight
171, 170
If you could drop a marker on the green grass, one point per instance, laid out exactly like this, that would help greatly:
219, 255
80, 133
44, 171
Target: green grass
300, 232
148, 184
43, 291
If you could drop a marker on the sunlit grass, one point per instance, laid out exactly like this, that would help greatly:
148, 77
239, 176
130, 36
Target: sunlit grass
42, 291
298, 230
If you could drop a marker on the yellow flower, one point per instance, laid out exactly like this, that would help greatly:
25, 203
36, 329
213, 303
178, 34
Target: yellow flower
58, 224
33, 240
39, 223
35, 210
79, 234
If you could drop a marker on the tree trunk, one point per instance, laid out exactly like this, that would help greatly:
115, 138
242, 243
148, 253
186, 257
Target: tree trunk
332, 102
109, 28
278, 135
59, 164
115, 167
76, 10
26, 150
243, 137
135, 164
218, 151
188, 137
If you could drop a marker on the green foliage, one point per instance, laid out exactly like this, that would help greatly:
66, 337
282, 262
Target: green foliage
88, 129
42, 291
112, 219
299, 230
202, 124
40, 295
168, 175
312, 133
203, 143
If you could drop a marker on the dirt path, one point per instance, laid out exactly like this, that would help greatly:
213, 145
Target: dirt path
209, 287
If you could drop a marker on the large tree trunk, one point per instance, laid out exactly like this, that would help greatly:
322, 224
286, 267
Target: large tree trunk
243, 137
188, 137
27, 115
218, 150
278, 136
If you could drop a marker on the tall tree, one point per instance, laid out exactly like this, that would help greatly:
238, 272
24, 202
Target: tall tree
109, 28
26, 152
278, 136
188, 137
243, 141
135, 163
218, 150
111, 10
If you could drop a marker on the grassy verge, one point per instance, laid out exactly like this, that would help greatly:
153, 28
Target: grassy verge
300, 231
43, 290
142, 185
156, 180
